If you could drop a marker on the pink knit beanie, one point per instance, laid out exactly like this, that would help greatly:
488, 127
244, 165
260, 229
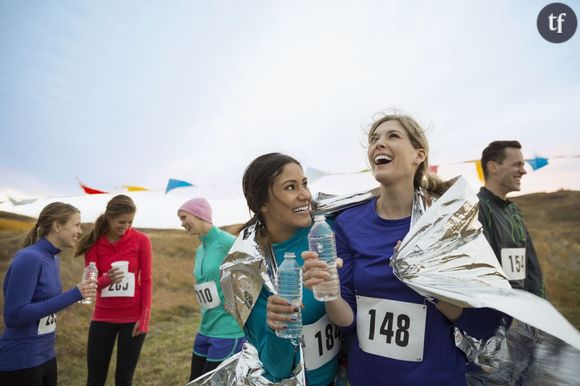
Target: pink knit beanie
199, 207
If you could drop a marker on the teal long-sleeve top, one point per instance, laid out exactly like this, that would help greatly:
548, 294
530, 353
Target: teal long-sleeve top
279, 355
215, 322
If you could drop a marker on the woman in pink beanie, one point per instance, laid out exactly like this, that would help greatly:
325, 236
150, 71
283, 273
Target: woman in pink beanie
219, 335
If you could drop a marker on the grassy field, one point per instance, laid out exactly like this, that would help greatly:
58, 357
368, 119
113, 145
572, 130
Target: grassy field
553, 220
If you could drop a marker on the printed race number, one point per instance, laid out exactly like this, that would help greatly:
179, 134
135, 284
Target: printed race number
47, 324
126, 288
391, 328
321, 342
207, 295
513, 262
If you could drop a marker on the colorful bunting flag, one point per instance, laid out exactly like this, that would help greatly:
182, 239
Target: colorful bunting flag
479, 171
22, 201
314, 174
132, 188
172, 184
89, 190
537, 163
433, 168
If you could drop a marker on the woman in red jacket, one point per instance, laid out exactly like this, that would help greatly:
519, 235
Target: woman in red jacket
123, 302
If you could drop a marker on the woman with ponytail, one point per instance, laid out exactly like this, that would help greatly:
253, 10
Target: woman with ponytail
33, 295
397, 336
277, 193
123, 301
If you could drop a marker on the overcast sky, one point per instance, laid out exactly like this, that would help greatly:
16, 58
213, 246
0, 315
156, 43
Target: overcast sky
137, 92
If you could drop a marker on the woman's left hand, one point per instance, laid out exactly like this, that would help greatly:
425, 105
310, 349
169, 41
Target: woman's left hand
136, 331
279, 312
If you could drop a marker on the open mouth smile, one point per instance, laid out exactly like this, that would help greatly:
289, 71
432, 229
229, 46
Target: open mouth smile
382, 159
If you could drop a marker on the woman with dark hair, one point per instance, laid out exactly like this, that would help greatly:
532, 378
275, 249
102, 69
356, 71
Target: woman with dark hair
276, 191
33, 295
398, 337
123, 302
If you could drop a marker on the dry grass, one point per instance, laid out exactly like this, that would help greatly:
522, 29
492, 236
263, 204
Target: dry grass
553, 220
166, 355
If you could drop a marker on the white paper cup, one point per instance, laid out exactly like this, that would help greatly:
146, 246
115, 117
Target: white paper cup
122, 265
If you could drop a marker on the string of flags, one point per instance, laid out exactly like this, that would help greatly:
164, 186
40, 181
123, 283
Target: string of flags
535, 163
172, 183
312, 173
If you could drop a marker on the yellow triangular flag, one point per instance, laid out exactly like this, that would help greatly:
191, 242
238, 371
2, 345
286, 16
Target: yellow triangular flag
479, 171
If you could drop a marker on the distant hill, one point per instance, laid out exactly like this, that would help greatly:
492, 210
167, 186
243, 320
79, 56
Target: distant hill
552, 218
15, 222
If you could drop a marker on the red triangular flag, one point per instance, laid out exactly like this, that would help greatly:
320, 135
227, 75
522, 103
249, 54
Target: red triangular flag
89, 190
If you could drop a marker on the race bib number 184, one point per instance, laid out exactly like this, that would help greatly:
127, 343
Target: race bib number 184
321, 342
391, 328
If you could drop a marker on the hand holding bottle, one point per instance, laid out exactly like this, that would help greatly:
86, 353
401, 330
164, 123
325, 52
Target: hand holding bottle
279, 312
88, 288
88, 284
314, 270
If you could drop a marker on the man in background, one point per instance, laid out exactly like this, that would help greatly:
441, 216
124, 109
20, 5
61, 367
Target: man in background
503, 225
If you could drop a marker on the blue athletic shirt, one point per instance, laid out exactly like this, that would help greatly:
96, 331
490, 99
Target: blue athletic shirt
32, 294
365, 242
278, 355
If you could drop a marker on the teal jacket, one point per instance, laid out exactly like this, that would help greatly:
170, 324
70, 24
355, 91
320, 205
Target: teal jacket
279, 355
215, 322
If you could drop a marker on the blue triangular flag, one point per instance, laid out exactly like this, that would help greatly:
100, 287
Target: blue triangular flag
537, 163
172, 184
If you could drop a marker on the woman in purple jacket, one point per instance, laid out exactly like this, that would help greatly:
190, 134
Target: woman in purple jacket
397, 336
33, 295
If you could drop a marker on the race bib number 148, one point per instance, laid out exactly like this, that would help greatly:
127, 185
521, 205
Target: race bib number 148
391, 328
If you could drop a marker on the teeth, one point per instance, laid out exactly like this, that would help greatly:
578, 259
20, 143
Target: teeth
381, 159
301, 209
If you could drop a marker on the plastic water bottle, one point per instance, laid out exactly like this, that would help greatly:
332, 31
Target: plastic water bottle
321, 240
290, 288
89, 273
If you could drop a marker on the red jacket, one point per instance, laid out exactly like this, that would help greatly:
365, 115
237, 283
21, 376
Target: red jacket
134, 247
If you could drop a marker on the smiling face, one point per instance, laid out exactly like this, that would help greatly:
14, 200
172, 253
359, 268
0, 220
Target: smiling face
287, 207
67, 234
193, 224
118, 225
392, 157
506, 176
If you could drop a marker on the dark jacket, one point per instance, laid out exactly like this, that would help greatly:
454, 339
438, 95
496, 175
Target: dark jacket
504, 228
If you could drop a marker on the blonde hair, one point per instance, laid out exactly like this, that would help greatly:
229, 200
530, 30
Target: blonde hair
55, 212
117, 206
423, 178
